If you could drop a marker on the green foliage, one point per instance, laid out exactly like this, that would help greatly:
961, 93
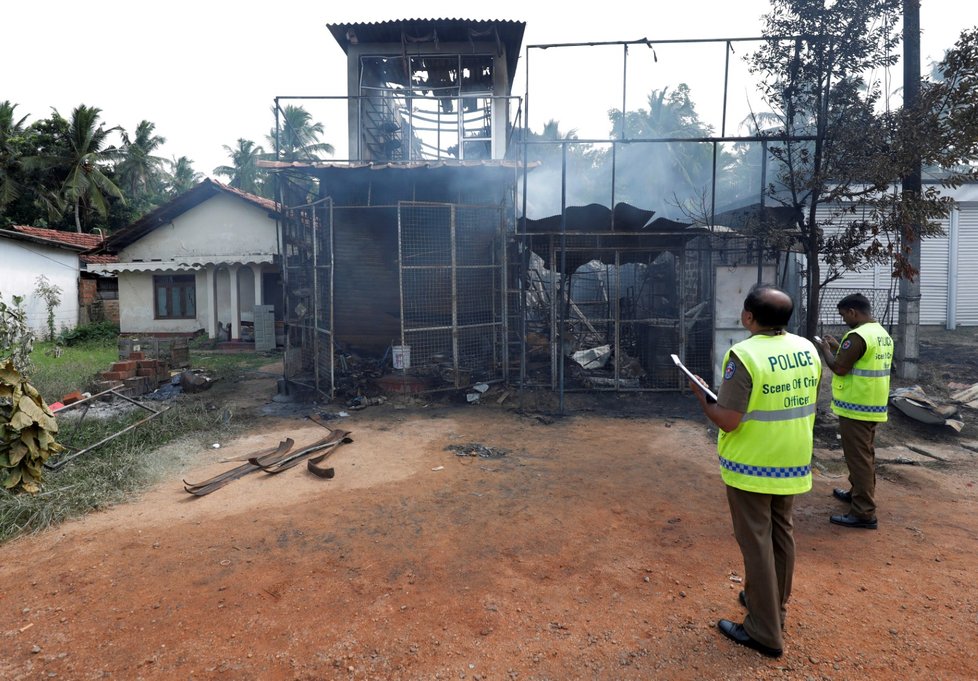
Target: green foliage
51, 295
244, 173
80, 159
118, 469
96, 332
16, 338
59, 371
12, 145
80, 173
66, 173
225, 365
945, 125
298, 136
182, 177
656, 175
820, 67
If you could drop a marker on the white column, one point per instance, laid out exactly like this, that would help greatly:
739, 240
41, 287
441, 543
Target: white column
256, 271
952, 269
211, 283
235, 305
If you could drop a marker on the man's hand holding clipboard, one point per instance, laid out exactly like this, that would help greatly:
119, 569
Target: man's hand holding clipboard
695, 382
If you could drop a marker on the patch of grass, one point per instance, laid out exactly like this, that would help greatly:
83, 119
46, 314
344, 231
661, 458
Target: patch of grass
75, 369
115, 471
119, 469
229, 364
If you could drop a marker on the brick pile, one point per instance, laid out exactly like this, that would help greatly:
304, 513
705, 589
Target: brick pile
136, 374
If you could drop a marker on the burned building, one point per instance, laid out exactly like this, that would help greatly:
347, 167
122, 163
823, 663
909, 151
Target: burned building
410, 264
402, 246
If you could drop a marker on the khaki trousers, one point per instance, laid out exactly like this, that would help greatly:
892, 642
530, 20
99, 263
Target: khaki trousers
762, 526
858, 439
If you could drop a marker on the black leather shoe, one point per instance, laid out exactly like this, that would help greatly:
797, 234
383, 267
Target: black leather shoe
842, 495
735, 632
849, 520
742, 597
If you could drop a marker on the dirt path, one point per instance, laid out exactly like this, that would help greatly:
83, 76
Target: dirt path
596, 548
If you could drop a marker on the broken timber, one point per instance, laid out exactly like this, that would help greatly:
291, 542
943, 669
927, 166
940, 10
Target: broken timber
218, 481
276, 460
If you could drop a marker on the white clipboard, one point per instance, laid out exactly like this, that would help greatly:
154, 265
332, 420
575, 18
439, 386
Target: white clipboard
682, 367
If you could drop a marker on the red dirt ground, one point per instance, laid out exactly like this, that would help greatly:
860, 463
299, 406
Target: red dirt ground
598, 547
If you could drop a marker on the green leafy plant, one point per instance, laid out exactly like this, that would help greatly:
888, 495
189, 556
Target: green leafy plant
96, 332
51, 295
16, 338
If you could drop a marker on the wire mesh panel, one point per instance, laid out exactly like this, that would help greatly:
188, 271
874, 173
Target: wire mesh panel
626, 303
307, 251
882, 301
451, 290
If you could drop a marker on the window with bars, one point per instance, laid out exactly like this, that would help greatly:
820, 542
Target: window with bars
175, 296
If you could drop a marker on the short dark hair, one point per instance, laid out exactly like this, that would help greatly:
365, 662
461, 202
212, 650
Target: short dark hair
857, 302
768, 308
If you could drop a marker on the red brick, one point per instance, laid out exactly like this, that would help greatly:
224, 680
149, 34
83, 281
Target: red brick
123, 366
148, 373
114, 375
71, 398
148, 364
136, 355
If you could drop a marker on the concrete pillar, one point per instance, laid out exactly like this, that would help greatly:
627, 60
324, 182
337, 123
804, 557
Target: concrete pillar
210, 280
235, 305
256, 271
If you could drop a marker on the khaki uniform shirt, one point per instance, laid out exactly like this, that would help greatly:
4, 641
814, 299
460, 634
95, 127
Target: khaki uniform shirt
850, 351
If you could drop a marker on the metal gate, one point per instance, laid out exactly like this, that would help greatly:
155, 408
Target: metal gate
307, 270
451, 278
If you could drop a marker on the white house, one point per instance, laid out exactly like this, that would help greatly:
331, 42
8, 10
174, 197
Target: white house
948, 270
26, 253
202, 261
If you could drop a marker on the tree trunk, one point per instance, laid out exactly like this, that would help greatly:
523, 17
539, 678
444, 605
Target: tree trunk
812, 280
78, 216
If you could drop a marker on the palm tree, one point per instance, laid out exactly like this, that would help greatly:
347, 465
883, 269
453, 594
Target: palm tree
139, 170
298, 136
243, 172
80, 155
182, 176
665, 173
10, 152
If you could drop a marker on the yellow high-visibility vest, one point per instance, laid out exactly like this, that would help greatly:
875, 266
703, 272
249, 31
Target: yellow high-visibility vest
770, 451
863, 393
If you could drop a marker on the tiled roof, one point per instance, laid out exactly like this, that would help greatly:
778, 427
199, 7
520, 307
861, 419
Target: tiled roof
98, 259
257, 200
70, 238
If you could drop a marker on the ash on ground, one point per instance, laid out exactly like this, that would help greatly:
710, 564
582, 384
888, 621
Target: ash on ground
477, 449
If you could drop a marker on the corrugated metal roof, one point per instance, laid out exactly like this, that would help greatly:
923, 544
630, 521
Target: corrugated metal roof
507, 34
399, 165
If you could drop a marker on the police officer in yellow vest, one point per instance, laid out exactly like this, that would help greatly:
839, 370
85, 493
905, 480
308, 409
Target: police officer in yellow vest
765, 411
860, 391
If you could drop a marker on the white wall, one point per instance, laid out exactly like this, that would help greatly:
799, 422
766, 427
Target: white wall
222, 225
137, 313
936, 254
21, 262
